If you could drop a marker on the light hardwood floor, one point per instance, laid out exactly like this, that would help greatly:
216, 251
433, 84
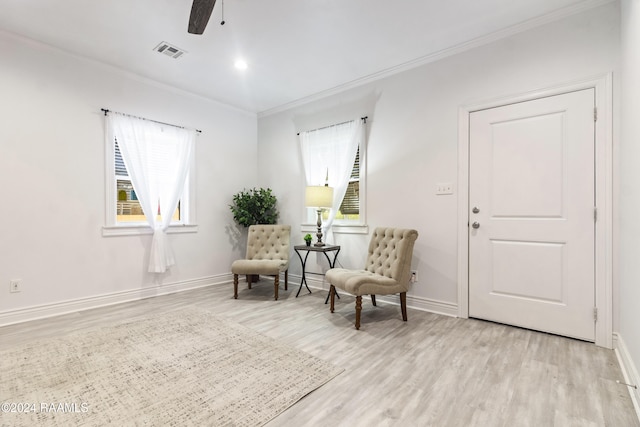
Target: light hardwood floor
430, 371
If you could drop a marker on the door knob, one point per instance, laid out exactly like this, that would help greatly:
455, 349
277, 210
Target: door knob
476, 224
475, 210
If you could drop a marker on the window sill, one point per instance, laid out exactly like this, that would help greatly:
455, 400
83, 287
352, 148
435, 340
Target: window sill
338, 228
136, 230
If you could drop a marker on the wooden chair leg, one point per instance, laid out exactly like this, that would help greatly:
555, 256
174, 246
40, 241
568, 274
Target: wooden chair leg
373, 300
235, 286
332, 296
286, 280
276, 283
249, 280
403, 305
358, 310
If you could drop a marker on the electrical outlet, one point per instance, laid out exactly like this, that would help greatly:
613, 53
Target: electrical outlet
414, 276
15, 286
444, 188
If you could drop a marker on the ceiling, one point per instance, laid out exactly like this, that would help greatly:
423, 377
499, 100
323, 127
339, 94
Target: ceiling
295, 49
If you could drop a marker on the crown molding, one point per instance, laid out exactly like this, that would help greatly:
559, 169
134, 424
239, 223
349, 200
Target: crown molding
444, 53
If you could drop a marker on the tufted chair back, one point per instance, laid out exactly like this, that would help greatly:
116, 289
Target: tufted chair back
268, 241
390, 252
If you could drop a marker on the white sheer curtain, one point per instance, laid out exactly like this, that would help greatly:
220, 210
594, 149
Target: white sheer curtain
157, 158
331, 149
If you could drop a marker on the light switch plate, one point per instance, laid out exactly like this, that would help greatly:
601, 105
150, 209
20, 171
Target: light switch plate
444, 188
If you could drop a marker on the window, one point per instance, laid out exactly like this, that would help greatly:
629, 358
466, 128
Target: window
338, 151
128, 209
124, 212
348, 218
350, 206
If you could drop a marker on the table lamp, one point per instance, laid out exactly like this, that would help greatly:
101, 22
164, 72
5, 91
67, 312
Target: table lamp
319, 197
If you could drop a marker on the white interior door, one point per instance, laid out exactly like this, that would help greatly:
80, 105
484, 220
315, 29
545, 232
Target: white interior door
531, 214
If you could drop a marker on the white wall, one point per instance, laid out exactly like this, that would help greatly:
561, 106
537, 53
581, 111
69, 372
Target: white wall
629, 225
52, 169
52, 162
413, 119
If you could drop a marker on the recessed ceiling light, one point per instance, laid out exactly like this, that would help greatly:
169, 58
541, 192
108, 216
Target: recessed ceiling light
240, 64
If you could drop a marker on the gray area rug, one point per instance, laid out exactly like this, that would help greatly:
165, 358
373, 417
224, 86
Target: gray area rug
187, 367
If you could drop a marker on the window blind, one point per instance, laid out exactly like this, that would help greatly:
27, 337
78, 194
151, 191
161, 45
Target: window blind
351, 202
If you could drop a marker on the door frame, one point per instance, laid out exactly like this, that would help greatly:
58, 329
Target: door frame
603, 187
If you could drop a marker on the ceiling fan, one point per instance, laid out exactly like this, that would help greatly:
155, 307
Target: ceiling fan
200, 13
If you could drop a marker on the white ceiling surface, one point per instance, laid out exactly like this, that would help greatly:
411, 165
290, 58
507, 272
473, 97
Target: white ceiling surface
296, 49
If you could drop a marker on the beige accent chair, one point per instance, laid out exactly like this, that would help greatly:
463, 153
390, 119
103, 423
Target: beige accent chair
267, 253
387, 270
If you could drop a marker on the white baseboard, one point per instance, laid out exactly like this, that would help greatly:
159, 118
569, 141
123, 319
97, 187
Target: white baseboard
424, 304
629, 371
71, 306
418, 303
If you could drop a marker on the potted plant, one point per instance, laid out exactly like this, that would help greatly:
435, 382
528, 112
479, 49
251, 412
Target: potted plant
307, 238
254, 206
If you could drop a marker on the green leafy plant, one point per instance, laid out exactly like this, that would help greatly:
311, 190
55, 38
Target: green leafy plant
307, 238
254, 206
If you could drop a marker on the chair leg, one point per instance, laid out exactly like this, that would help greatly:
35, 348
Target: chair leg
235, 286
373, 300
403, 305
276, 283
249, 280
358, 310
332, 295
286, 280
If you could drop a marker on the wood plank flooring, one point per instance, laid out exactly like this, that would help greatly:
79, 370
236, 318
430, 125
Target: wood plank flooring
430, 371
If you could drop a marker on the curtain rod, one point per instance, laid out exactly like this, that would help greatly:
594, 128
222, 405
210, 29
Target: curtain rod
364, 119
143, 118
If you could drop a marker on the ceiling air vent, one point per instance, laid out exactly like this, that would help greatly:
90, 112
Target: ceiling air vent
169, 50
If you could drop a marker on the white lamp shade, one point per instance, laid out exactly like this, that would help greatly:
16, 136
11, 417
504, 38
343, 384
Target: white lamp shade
319, 196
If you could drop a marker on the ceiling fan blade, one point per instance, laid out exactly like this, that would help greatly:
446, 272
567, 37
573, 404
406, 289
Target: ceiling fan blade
200, 14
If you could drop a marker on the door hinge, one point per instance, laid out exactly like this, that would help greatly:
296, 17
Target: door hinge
595, 214
595, 114
595, 314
